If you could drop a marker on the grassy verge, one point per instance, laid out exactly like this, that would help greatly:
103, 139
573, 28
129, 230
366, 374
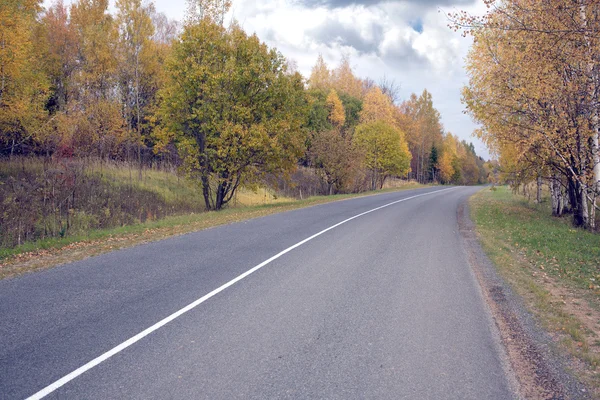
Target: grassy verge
553, 267
50, 252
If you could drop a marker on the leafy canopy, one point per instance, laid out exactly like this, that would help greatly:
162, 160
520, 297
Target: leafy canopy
232, 107
386, 151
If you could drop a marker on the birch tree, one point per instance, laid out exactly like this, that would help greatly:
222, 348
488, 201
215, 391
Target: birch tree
534, 83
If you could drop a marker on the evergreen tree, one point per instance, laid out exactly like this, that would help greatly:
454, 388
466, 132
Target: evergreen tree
433, 164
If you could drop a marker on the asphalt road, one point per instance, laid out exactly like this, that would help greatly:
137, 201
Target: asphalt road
383, 306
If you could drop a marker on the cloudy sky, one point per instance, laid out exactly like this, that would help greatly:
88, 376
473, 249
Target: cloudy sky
406, 40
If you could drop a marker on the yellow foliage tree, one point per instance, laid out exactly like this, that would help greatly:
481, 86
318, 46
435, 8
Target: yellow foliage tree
447, 161
421, 122
320, 77
23, 86
337, 114
96, 109
377, 107
534, 83
385, 151
344, 80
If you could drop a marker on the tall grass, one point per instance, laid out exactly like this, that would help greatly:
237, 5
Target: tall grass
43, 199
46, 198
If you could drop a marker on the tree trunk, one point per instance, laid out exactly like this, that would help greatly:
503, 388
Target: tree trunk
220, 196
558, 202
592, 92
374, 179
593, 214
594, 81
596, 154
585, 216
538, 195
554, 196
572, 194
577, 198
206, 191
382, 181
561, 203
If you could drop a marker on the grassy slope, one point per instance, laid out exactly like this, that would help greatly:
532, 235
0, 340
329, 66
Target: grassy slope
555, 268
166, 184
176, 195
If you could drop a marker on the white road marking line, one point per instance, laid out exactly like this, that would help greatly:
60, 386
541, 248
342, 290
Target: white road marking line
115, 350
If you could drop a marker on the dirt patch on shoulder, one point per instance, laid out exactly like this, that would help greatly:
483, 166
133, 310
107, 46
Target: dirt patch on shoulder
535, 367
574, 304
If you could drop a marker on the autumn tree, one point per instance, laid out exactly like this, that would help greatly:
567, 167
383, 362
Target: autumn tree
377, 107
385, 151
533, 83
421, 121
332, 154
344, 80
139, 71
334, 159
61, 60
446, 162
97, 122
469, 169
232, 108
320, 76
337, 114
97, 41
23, 86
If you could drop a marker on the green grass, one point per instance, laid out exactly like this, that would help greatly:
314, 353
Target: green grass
573, 255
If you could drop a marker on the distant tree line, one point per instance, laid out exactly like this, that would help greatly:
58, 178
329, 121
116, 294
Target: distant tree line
78, 82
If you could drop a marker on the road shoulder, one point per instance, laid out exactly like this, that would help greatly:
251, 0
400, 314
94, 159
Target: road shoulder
533, 363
